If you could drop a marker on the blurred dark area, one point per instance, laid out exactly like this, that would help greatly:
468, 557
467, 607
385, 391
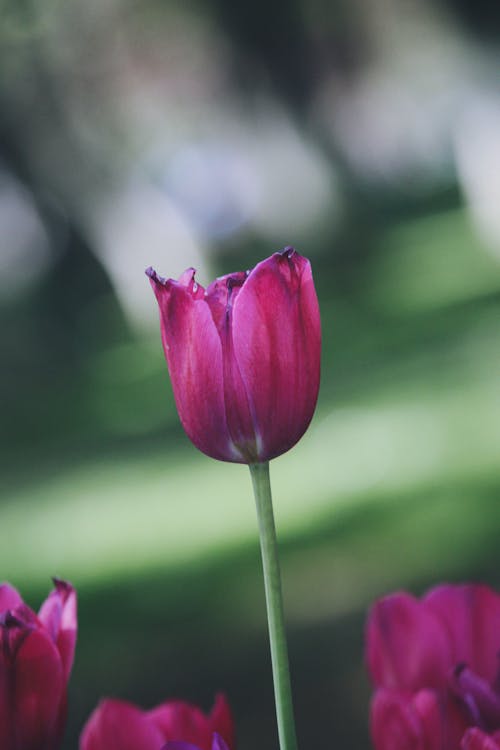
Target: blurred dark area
174, 134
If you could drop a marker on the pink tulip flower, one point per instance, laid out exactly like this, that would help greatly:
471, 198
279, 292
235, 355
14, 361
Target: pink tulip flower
119, 725
36, 656
435, 665
243, 356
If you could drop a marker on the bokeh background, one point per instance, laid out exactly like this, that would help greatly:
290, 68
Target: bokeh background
192, 133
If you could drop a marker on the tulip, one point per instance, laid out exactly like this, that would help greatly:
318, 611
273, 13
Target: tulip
119, 725
435, 665
36, 656
243, 356
244, 361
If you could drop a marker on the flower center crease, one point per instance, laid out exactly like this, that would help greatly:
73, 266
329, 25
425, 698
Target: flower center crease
479, 699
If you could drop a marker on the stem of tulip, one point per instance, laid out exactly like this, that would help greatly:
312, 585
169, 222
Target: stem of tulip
274, 600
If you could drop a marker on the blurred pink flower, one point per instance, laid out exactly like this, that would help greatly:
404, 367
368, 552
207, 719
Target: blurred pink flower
475, 739
243, 356
217, 744
36, 656
119, 725
435, 665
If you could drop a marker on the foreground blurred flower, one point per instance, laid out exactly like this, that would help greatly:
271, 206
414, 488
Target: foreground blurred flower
435, 664
36, 656
217, 744
118, 725
243, 356
475, 739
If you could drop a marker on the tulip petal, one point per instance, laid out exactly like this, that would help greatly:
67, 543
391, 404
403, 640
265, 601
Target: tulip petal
425, 720
118, 725
9, 597
407, 646
471, 617
178, 720
475, 739
194, 355
58, 615
221, 298
221, 720
6, 705
480, 701
38, 692
217, 744
440, 717
277, 341
394, 724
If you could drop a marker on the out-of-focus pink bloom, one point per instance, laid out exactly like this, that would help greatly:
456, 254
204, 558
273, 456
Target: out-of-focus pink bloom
119, 725
243, 356
475, 739
435, 666
217, 744
36, 656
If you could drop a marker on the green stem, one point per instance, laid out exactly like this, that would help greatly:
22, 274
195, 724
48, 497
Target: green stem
274, 601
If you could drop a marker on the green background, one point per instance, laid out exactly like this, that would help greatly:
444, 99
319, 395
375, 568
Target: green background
396, 483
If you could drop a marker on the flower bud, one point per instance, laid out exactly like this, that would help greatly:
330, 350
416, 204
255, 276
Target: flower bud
36, 655
243, 356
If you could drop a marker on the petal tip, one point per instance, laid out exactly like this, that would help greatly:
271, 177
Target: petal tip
64, 588
153, 276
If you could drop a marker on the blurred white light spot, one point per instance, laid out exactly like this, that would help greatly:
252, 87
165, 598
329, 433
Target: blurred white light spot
214, 185
477, 146
259, 171
297, 184
393, 119
24, 251
389, 131
140, 227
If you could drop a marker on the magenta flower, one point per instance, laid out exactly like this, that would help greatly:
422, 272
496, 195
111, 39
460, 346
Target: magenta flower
217, 744
243, 356
475, 739
36, 656
435, 666
119, 725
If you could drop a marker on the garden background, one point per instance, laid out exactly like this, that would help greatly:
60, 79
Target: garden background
367, 134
